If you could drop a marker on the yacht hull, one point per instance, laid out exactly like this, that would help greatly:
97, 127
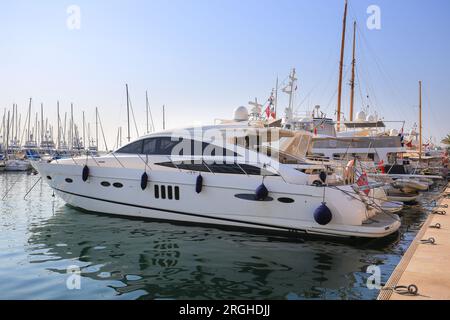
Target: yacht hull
288, 208
17, 165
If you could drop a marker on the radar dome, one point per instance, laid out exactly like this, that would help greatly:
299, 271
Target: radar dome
361, 116
241, 114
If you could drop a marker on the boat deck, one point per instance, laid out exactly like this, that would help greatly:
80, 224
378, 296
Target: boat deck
424, 265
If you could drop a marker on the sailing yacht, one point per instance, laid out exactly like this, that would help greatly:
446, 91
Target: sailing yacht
233, 174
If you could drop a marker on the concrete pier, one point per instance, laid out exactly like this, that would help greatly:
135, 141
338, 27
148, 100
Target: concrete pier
424, 265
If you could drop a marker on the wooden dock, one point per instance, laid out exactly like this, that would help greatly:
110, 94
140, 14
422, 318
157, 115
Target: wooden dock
425, 265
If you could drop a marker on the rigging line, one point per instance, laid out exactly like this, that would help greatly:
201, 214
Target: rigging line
25, 126
12, 186
384, 73
319, 81
134, 119
103, 133
347, 70
435, 120
34, 185
368, 82
359, 87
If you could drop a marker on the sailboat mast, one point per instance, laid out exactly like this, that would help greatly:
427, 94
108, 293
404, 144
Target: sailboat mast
36, 127
84, 132
276, 97
96, 128
341, 68
65, 129
12, 122
146, 109
59, 126
71, 126
42, 122
17, 124
420, 120
7, 135
89, 134
29, 120
352, 83
128, 113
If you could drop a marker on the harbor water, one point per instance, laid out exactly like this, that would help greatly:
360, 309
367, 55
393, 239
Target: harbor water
45, 245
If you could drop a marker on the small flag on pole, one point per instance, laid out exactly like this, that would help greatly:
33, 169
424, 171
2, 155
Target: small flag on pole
363, 181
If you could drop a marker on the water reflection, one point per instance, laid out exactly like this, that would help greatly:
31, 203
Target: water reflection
168, 261
132, 259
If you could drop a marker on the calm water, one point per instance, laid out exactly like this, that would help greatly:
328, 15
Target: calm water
40, 238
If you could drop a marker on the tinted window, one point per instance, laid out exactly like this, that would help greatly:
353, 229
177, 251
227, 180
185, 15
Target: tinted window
132, 148
166, 146
188, 147
150, 146
255, 171
166, 164
213, 150
225, 168
192, 166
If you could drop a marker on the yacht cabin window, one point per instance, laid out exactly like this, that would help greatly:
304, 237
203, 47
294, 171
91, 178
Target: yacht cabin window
174, 146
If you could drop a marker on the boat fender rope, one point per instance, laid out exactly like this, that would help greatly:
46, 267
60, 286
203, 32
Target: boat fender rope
436, 226
85, 173
431, 241
323, 176
411, 290
440, 212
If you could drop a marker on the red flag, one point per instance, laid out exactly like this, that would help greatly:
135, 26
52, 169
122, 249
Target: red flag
381, 166
268, 112
363, 181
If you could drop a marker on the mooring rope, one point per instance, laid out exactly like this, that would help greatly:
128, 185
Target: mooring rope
40, 178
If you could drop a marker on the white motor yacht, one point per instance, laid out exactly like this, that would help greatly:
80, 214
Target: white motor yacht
191, 176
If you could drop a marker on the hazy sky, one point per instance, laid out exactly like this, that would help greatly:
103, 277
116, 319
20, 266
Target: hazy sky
203, 58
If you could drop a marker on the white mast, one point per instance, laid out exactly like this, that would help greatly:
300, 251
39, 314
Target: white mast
42, 122
128, 113
290, 89
71, 126
276, 96
59, 127
29, 122
96, 128
84, 132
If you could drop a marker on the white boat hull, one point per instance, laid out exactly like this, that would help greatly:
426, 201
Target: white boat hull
17, 165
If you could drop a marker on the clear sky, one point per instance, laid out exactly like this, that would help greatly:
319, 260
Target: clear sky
203, 58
